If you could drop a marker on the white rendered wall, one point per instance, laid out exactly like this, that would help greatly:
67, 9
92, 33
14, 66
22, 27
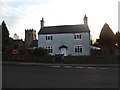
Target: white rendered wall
67, 40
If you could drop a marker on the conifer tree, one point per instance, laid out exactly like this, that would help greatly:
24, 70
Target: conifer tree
117, 35
107, 40
107, 37
5, 36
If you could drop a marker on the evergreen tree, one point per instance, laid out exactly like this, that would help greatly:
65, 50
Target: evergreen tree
107, 40
107, 37
5, 36
117, 35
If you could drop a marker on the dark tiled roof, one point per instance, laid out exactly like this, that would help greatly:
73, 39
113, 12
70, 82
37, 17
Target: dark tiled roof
63, 46
17, 42
64, 29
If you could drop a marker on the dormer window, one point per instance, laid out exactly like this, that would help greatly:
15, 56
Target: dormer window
49, 38
77, 36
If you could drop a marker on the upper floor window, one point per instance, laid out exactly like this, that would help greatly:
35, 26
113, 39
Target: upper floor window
78, 49
49, 37
77, 36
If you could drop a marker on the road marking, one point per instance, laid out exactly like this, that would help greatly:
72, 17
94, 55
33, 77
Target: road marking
67, 66
79, 67
55, 66
91, 67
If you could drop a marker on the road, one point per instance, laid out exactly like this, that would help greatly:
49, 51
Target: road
28, 76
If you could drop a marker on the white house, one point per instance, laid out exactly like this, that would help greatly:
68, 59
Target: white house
66, 39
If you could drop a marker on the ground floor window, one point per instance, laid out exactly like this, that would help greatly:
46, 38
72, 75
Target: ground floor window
49, 49
78, 49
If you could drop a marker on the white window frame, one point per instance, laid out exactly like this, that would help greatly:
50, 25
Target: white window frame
49, 37
49, 49
78, 48
77, 36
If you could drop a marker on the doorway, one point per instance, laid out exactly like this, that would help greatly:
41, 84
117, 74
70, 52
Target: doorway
63, 51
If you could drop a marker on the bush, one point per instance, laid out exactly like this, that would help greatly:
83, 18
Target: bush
91, 60
40, 52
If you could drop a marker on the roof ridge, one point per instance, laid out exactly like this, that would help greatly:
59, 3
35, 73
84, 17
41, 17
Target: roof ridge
64, 29
64, 25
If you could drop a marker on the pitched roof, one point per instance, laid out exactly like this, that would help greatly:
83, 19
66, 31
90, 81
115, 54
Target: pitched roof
64, 29
17, 42
63, 46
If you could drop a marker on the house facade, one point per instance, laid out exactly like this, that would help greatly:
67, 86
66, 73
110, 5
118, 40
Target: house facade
65, 39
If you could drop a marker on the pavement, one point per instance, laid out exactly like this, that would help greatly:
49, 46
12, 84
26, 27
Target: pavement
61, 64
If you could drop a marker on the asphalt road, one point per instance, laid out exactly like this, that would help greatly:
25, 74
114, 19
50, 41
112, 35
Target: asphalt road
28, 76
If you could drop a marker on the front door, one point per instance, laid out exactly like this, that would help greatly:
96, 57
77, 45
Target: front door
63, 51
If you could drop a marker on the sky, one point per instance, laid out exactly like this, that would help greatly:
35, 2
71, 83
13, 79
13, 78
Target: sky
26, 14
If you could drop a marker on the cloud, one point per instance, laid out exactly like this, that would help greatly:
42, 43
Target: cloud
25, 14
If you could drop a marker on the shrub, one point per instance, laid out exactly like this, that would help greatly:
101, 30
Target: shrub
91, 59
40, 52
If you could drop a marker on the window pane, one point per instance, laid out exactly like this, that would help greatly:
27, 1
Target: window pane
74, 36
75, 50
48, 37
51, 38
51, 50
80, 49
77, 36
80, 36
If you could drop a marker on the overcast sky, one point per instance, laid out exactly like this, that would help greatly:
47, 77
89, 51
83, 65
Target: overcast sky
25, 14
